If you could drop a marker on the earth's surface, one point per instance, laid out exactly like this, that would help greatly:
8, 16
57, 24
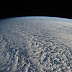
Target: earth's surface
36, 44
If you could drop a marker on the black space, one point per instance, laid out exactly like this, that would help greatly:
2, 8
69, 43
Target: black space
17, 12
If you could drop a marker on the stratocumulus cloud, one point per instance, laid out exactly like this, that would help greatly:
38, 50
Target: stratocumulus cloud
35, 44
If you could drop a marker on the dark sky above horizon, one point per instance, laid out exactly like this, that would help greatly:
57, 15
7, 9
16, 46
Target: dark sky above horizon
35, 12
